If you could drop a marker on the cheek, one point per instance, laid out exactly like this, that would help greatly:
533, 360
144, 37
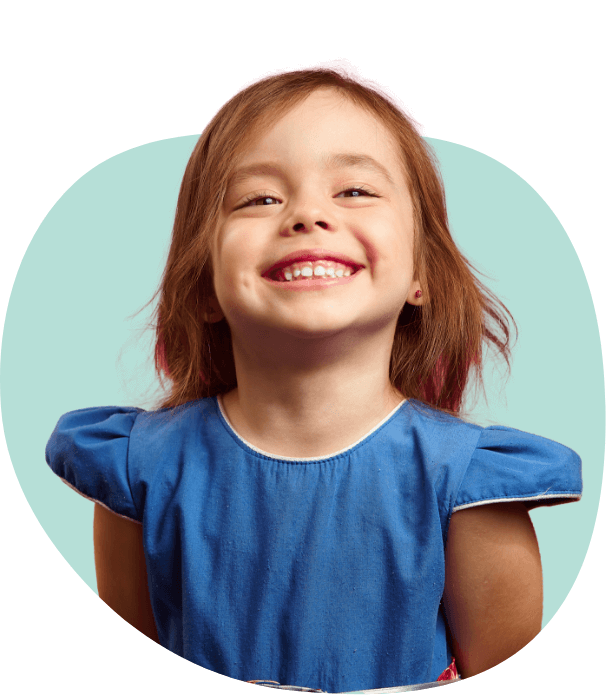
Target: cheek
240, 243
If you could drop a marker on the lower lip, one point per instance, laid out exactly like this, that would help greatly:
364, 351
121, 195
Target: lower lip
316, 283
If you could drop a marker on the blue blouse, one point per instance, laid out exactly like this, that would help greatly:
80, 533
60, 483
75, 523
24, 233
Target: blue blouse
324, 572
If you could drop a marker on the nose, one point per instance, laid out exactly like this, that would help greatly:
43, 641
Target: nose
302, 227
310, 212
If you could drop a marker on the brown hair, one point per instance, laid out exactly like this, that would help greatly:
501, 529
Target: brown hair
437, 347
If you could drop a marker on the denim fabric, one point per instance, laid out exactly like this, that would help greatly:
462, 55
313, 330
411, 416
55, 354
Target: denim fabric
327, 573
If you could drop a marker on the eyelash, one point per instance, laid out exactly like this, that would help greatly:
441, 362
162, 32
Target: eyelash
255, 196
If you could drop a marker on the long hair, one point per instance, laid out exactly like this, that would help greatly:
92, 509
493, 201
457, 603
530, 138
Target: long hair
438, 347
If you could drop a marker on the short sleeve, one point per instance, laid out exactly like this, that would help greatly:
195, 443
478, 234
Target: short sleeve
89, 450
509, 465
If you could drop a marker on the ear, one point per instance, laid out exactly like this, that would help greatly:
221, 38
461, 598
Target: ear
412, 297
212, 311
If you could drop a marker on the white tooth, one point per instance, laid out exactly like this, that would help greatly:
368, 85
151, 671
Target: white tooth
308, 271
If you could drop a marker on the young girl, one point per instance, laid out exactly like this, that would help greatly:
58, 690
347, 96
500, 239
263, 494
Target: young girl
307, 505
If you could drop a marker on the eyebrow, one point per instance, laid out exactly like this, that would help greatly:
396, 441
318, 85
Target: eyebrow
333, 161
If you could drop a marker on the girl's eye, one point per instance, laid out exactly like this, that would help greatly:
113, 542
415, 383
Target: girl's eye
360, 189
255, 199
265, 196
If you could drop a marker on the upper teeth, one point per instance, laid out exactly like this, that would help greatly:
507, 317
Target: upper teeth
308, 269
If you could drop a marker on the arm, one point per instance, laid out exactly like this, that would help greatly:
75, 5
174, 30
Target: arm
121, 571
494, 585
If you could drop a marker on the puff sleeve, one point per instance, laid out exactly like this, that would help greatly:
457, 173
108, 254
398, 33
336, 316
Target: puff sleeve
509, 465
88, 450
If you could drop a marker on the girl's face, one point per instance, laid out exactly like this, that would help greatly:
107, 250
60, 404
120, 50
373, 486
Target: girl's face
316, 231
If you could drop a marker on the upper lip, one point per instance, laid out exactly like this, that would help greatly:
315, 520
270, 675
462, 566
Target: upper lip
312, 255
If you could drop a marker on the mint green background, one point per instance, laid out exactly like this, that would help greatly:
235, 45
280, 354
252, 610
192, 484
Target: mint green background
98, 257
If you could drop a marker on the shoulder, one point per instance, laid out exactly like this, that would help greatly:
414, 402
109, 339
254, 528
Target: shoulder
512, 465
109, 417
88, 450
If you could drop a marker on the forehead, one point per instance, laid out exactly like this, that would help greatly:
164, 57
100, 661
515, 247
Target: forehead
326, 127
330, 161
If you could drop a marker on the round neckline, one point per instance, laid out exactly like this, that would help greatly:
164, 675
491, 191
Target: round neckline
307, 459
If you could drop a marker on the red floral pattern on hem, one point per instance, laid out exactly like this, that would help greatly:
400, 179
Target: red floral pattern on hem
450, 673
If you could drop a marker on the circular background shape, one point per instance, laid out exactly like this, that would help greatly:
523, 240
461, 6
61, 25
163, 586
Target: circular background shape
72, 339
